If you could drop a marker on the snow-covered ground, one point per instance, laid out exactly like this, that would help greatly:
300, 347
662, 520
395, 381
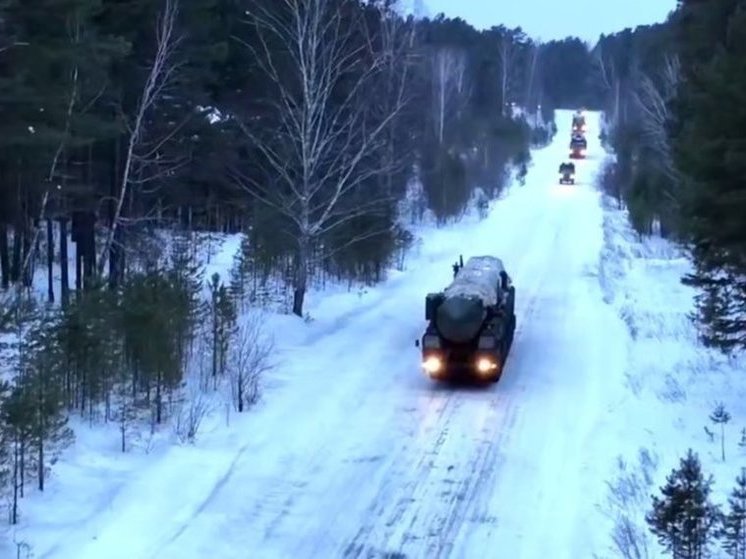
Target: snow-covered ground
354, 453
672, 383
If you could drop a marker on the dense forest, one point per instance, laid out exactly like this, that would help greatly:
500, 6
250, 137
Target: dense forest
132, 133
674, 95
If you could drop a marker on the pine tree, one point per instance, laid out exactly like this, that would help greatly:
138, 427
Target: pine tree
733, 532
223, 322
684, 519
710, 147
49, 430
152, 327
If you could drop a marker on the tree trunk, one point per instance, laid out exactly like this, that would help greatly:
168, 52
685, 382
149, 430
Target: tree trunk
116, 261
4, 257
16, 468
158, 403
78, 266
301, 275
42, 434
15, 270
27, 272
50, 260
240, 392
64, 269
89, 253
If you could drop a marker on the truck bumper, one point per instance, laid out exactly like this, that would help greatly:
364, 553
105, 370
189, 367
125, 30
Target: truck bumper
484, 367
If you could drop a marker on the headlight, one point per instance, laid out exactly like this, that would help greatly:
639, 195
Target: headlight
485, 365
433, 364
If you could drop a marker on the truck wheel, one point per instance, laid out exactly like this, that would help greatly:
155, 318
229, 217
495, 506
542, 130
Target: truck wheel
511, 331
504, 344
498, 373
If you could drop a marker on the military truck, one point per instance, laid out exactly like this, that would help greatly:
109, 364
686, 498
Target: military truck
471, 323
578, 122
567, 173
578, 147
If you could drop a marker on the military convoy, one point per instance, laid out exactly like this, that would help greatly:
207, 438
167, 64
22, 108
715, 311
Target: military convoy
471, 323
578, 122
567, 173
578, 148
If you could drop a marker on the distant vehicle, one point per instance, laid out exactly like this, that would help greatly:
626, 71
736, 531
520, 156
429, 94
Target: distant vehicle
567, 173
471, 323
578, 122
578, 147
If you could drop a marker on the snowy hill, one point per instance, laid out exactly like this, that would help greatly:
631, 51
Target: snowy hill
354, 452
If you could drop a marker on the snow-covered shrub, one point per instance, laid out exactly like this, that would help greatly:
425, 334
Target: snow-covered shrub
250, 357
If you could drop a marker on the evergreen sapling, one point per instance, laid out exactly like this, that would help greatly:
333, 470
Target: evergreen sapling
733, 531
684, 519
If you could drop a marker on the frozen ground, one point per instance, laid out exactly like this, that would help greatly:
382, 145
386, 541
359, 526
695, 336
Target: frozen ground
672, 383
354, 453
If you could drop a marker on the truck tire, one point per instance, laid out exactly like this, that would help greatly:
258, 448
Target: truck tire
502, 355
511, 331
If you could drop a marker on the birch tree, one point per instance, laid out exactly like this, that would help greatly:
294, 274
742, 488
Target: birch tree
318, 144
140, 153
507, 55
532, 75
610, 82
653, 98
449, 82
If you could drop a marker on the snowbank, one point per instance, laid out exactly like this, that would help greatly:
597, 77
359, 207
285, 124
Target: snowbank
673, 383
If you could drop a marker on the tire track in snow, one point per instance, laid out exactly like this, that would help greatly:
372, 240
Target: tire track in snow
216, 488
415, 500
427, 488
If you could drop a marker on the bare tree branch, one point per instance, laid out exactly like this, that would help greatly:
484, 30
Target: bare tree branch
653, 99
507, 56
14, 44
324, 139
449, 76
162, 72
610, 81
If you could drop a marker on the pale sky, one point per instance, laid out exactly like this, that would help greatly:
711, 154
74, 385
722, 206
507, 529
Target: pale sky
555, 19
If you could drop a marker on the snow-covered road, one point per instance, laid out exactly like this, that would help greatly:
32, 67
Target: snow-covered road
359, 455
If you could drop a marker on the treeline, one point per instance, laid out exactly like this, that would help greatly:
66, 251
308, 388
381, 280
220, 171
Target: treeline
675, 100
637, 73
299, 117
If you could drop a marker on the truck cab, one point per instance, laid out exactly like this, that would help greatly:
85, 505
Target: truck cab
567, 173
578, 122
578, 147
